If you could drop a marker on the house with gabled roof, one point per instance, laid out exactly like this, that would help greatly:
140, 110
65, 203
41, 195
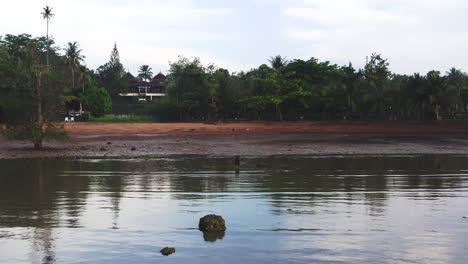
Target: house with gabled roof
146, 91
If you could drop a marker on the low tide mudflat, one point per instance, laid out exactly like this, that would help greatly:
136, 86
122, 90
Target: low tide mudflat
250, 139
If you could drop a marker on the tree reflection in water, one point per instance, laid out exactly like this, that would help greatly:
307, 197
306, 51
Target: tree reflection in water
43, 195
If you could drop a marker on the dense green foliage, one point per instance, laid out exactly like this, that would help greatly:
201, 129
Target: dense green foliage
311, 89
96, 100
30, 89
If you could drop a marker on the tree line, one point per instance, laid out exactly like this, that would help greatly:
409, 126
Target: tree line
283, 90
280, 90
311, 90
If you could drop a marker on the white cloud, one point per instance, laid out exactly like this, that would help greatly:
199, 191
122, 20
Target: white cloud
147, 32
414, 35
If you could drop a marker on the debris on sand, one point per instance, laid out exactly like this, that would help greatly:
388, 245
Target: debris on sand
212, 223
103, 149
167, 251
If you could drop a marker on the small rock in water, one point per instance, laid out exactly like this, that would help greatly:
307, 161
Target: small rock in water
167, 251
465, 217
109, 143
212, 223
103, 149
133, 148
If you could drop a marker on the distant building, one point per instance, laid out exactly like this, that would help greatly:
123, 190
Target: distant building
146, 91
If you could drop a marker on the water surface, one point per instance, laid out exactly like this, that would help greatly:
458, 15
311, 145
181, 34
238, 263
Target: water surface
350, 209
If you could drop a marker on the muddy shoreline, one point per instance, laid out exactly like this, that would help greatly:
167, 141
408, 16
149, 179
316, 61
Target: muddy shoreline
249, 139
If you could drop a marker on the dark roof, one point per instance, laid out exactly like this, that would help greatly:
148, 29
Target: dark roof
130, 78
159, 77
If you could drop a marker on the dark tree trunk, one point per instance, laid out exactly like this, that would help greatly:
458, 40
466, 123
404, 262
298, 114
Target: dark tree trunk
47, 51
40, 119
278, 112
73, 77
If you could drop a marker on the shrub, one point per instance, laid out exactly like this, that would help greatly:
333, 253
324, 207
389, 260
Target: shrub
85, 116
164, 110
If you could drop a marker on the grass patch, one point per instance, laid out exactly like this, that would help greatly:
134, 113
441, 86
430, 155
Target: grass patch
123, 119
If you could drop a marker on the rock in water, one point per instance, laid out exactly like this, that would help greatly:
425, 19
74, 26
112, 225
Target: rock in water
212, 223
167, 251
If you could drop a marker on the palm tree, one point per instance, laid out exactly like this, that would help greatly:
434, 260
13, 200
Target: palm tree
437, 88
47, 15
456, 78
145, 72
83, 76
278, 62
73, 57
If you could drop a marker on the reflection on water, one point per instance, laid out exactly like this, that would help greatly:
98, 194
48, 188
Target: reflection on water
213, 236
382, 209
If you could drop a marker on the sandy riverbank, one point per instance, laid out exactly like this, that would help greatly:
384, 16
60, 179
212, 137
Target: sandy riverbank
250, 139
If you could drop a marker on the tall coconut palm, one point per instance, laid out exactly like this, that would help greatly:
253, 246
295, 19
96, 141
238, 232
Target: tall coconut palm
73, 57
278, 62
47, 15
456, 78
145, 72
83, 76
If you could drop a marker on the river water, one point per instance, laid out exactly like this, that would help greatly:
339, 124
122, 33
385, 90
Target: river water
294, 209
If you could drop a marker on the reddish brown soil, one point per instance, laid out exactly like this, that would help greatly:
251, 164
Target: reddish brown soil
267, 127
249, 139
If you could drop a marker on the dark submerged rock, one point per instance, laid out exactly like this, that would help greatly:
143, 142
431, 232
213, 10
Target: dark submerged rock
213, 236
167, 251
133, 148
212, 223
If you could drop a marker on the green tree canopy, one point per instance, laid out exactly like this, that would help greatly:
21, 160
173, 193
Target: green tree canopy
111, 75
96, 100
31, 94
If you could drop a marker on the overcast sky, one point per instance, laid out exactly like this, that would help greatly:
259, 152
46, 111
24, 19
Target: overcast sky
415, 35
